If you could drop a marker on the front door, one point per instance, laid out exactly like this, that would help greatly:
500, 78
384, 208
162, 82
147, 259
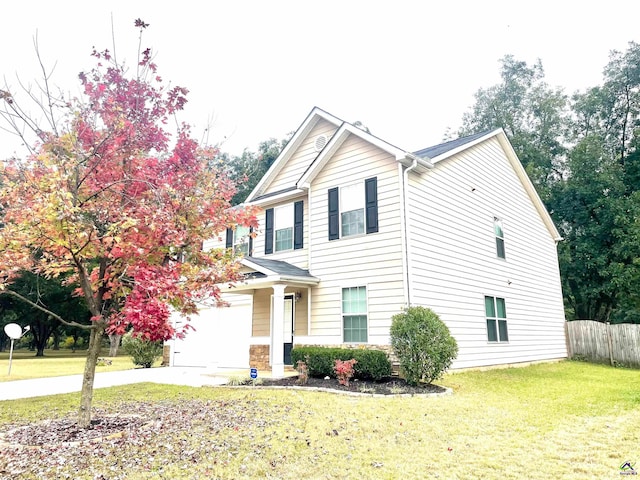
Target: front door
288, 329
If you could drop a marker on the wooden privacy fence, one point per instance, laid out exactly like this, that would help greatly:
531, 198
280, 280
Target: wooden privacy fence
602, 342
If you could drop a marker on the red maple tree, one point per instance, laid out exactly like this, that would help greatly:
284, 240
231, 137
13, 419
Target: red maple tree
114, 204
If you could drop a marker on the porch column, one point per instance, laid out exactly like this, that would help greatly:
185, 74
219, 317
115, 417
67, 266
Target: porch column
277, 332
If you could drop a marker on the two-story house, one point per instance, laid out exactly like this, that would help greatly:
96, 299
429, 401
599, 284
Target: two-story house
353, 229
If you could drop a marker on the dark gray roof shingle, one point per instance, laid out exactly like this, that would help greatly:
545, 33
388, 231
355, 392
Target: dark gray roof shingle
280, 267
437, 150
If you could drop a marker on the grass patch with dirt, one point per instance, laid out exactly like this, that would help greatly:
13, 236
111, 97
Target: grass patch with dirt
568, 420
55, 363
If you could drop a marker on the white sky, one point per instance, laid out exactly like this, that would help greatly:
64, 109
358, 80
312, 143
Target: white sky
406, 69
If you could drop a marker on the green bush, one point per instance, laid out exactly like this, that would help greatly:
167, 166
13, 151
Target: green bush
143, 352
320, 361
423, 344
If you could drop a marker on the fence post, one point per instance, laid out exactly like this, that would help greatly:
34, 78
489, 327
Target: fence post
567, 340
610, 343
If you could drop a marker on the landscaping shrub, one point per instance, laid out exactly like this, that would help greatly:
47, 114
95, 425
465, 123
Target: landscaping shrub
143, 352
320, 361
423, 344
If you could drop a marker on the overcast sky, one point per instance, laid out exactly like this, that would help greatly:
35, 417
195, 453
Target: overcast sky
405, 69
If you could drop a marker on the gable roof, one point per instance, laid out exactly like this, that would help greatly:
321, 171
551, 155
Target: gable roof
300, 134
344, 130
441, 152
437, 150
421, 161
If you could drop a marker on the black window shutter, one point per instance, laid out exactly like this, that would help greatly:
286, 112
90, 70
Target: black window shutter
250, 241
268, 233
298, 225
229, 241
371, 204
334, 214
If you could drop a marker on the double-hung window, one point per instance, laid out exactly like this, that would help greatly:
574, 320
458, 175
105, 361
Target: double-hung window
496, 312
353, 209
497, 227
241, 237
283, 227
354, 314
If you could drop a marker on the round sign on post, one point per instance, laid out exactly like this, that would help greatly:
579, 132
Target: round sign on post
13, 331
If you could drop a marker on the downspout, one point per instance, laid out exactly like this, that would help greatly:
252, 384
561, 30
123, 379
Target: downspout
405, 221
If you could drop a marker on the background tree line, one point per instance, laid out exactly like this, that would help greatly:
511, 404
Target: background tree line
581, 151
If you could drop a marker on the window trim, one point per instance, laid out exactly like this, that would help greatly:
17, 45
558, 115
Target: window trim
499, 239
365, 313
497, 319
242, 241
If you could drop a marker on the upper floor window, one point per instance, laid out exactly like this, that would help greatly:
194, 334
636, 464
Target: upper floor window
241, 237
497, 227
496, 312
353, 209
284, 227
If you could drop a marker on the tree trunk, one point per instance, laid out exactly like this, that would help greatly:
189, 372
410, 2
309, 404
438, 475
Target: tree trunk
86, 396
114, 343
56, 339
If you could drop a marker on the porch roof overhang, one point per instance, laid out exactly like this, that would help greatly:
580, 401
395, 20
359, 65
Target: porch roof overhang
264, 273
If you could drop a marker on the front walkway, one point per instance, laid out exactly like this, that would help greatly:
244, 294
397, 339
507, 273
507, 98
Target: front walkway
192, 377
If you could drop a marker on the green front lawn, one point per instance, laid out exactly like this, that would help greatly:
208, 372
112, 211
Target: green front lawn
567, 420
55, 363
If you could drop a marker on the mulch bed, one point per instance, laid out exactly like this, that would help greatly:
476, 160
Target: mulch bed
386, 386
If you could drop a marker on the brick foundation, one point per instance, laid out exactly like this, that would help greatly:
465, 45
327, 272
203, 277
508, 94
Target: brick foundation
166, 355
259, 357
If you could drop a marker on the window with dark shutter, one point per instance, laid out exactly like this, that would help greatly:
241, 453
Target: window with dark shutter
268, 231
298, 225
371, 204
250, 241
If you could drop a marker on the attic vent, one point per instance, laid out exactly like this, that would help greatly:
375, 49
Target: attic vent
321, 141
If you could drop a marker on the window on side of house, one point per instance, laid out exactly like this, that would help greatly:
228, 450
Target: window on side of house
241, 236
352, 210
496, 313
497, 227
283, 226
354, 314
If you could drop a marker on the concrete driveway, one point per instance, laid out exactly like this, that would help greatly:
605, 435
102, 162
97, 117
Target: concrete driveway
37, 387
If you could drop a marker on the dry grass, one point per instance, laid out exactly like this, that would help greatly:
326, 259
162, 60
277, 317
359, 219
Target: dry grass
55, 363
566, 420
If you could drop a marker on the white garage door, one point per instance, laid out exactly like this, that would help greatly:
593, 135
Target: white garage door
221, 336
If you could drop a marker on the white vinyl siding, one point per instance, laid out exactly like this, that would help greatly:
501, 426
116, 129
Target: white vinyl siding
453, 258
371, 260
